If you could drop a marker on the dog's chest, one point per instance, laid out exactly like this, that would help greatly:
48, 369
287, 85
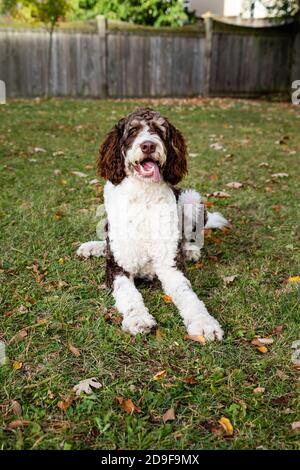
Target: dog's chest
143, 225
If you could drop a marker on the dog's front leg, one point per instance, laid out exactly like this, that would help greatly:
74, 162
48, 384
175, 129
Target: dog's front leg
193, 311
129, 302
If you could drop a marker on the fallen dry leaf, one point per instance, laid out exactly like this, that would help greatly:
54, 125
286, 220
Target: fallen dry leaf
58, 215
280, 175
229, 279
169, 415
79, 174
22, 309
226, 425
167, 299
160, 375
128, 405
66, 403
276, 207
228, 157
168, 385
19, 336
295, 425
234, 185
269, 189
219, 194
294, 279
2, 353
37, 274
18, 423
263, 165
197, 338
85, 386
39, 150
17, 365
158, 333
281, 375
262, 349
282, 400
265, 341
16, 408
278, 330
295, 354
74, 350
112, 317
198, 265
258, 341
190, 380
217, 146
259, 390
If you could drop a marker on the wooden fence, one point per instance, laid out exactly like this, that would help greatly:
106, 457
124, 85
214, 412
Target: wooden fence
221, 59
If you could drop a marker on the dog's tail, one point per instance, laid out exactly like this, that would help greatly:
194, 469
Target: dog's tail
216, 220
192, 197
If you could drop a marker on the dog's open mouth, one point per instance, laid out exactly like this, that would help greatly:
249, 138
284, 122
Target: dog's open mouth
148, 168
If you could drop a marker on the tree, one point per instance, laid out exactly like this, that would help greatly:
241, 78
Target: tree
147, 12
277, 8
48, 12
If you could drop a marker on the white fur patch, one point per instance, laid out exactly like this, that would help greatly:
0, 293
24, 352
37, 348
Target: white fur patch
93, 248
189, 196
129, 302
215, 220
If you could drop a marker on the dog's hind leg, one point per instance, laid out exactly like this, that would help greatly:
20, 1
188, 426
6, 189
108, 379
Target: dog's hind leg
129, 302
93, 248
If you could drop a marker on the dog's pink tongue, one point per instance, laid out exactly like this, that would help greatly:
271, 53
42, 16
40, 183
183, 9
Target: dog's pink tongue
151, 169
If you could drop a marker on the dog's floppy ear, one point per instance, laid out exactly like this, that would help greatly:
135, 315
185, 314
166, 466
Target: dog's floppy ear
110, 162
176, 165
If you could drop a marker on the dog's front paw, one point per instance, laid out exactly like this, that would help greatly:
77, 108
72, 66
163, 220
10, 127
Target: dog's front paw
206, 326
138, 322
94, 248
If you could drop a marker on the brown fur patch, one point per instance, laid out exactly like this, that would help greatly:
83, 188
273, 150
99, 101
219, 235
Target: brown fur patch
176, 165
112, 268
177, 192
180, 258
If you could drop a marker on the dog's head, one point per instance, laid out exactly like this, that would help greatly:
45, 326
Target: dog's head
146, 145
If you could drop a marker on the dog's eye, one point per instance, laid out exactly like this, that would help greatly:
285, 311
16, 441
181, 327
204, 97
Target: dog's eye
160, 130
133, 131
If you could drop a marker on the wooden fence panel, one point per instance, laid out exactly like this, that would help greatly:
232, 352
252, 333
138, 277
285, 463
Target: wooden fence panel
146, 65
142, 64
295, 75
250, 64
77, 64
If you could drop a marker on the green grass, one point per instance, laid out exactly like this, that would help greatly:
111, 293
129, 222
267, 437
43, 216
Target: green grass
44, 215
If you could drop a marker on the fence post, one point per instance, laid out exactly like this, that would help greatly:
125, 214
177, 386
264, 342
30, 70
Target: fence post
208, 24
101, 25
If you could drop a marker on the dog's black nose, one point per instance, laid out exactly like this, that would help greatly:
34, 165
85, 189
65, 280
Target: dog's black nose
148, 147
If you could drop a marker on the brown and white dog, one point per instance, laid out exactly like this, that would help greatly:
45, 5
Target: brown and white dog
142, 157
